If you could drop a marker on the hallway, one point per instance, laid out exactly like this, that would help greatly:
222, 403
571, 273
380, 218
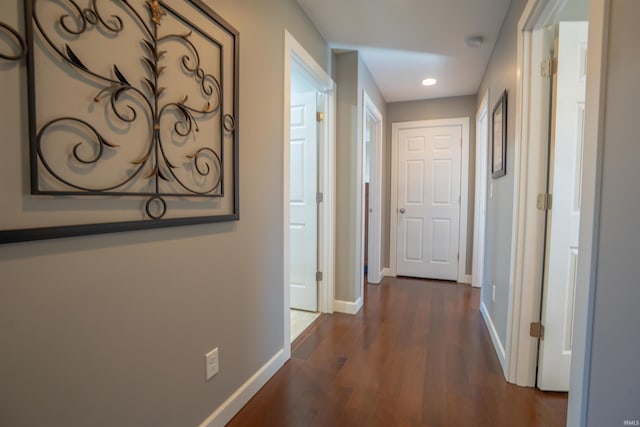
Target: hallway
417, 354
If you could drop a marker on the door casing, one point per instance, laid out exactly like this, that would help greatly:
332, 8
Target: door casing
482, 171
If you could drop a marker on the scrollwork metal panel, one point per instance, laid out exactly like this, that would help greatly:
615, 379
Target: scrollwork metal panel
20, 50
134, 99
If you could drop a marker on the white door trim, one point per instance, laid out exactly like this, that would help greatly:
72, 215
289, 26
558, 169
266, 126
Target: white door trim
464, 188
525, 266
294, 51
374, 274
527, 247
482, 164
530, 171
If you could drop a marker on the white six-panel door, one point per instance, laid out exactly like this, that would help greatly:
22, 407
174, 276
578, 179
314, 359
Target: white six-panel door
566, 171
303, 205
429, 172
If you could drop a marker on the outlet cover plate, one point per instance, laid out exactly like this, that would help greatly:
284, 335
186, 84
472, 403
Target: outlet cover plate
211, 362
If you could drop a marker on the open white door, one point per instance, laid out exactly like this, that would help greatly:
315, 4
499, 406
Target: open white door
303, 204
565, 177
429, 179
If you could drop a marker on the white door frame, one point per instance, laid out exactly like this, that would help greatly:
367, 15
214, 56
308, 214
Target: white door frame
464, 189
526, 258
530, 178
374, 272
294, 51
482, 166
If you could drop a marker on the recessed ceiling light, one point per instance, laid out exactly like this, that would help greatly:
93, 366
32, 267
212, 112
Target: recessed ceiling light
474, 41
429, 82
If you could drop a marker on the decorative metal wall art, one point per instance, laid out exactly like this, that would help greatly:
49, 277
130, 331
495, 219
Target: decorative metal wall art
20, 44
133, 99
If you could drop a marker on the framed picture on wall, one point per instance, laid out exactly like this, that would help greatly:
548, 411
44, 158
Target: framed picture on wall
499, 137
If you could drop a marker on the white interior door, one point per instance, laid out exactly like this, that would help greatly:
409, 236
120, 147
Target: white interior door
429, 172
565, 173
303, 204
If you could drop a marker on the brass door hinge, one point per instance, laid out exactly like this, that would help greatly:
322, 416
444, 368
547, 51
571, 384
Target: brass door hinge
543, 202
320, 116
536, 330
549, 67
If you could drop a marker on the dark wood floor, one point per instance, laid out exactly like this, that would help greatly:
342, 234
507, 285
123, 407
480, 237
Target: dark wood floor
418, 354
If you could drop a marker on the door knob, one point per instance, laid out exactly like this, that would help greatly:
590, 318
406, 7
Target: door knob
402, 210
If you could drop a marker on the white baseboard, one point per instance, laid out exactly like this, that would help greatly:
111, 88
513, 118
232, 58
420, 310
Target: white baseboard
386, 272
465, 279
347, 307
359, 304
497, 345
221, 416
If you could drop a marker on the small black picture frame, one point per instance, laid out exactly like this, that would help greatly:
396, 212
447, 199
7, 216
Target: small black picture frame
499, 137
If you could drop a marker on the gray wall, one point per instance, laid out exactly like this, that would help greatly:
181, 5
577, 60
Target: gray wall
499, 76
111, 330
346, 78
614, 388
352, 77
431, 109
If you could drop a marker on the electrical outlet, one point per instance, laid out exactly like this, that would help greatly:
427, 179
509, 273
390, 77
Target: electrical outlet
211, 362
493, 293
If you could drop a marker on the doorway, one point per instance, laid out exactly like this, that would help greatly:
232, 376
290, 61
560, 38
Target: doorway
530, 241
429, 199
563, 204
308, 187
371, 191
303, 204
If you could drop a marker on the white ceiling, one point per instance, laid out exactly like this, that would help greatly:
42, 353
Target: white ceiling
404, 41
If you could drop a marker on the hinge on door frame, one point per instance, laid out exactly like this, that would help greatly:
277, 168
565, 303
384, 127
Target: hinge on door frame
319, 116
458, 256
319, 276
319, 197
543, 202
536, 330
548, 67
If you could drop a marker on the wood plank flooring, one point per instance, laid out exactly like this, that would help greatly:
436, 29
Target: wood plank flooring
418, 354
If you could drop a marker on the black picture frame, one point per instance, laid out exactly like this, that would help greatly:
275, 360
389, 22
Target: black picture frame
499, 137
231, 124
